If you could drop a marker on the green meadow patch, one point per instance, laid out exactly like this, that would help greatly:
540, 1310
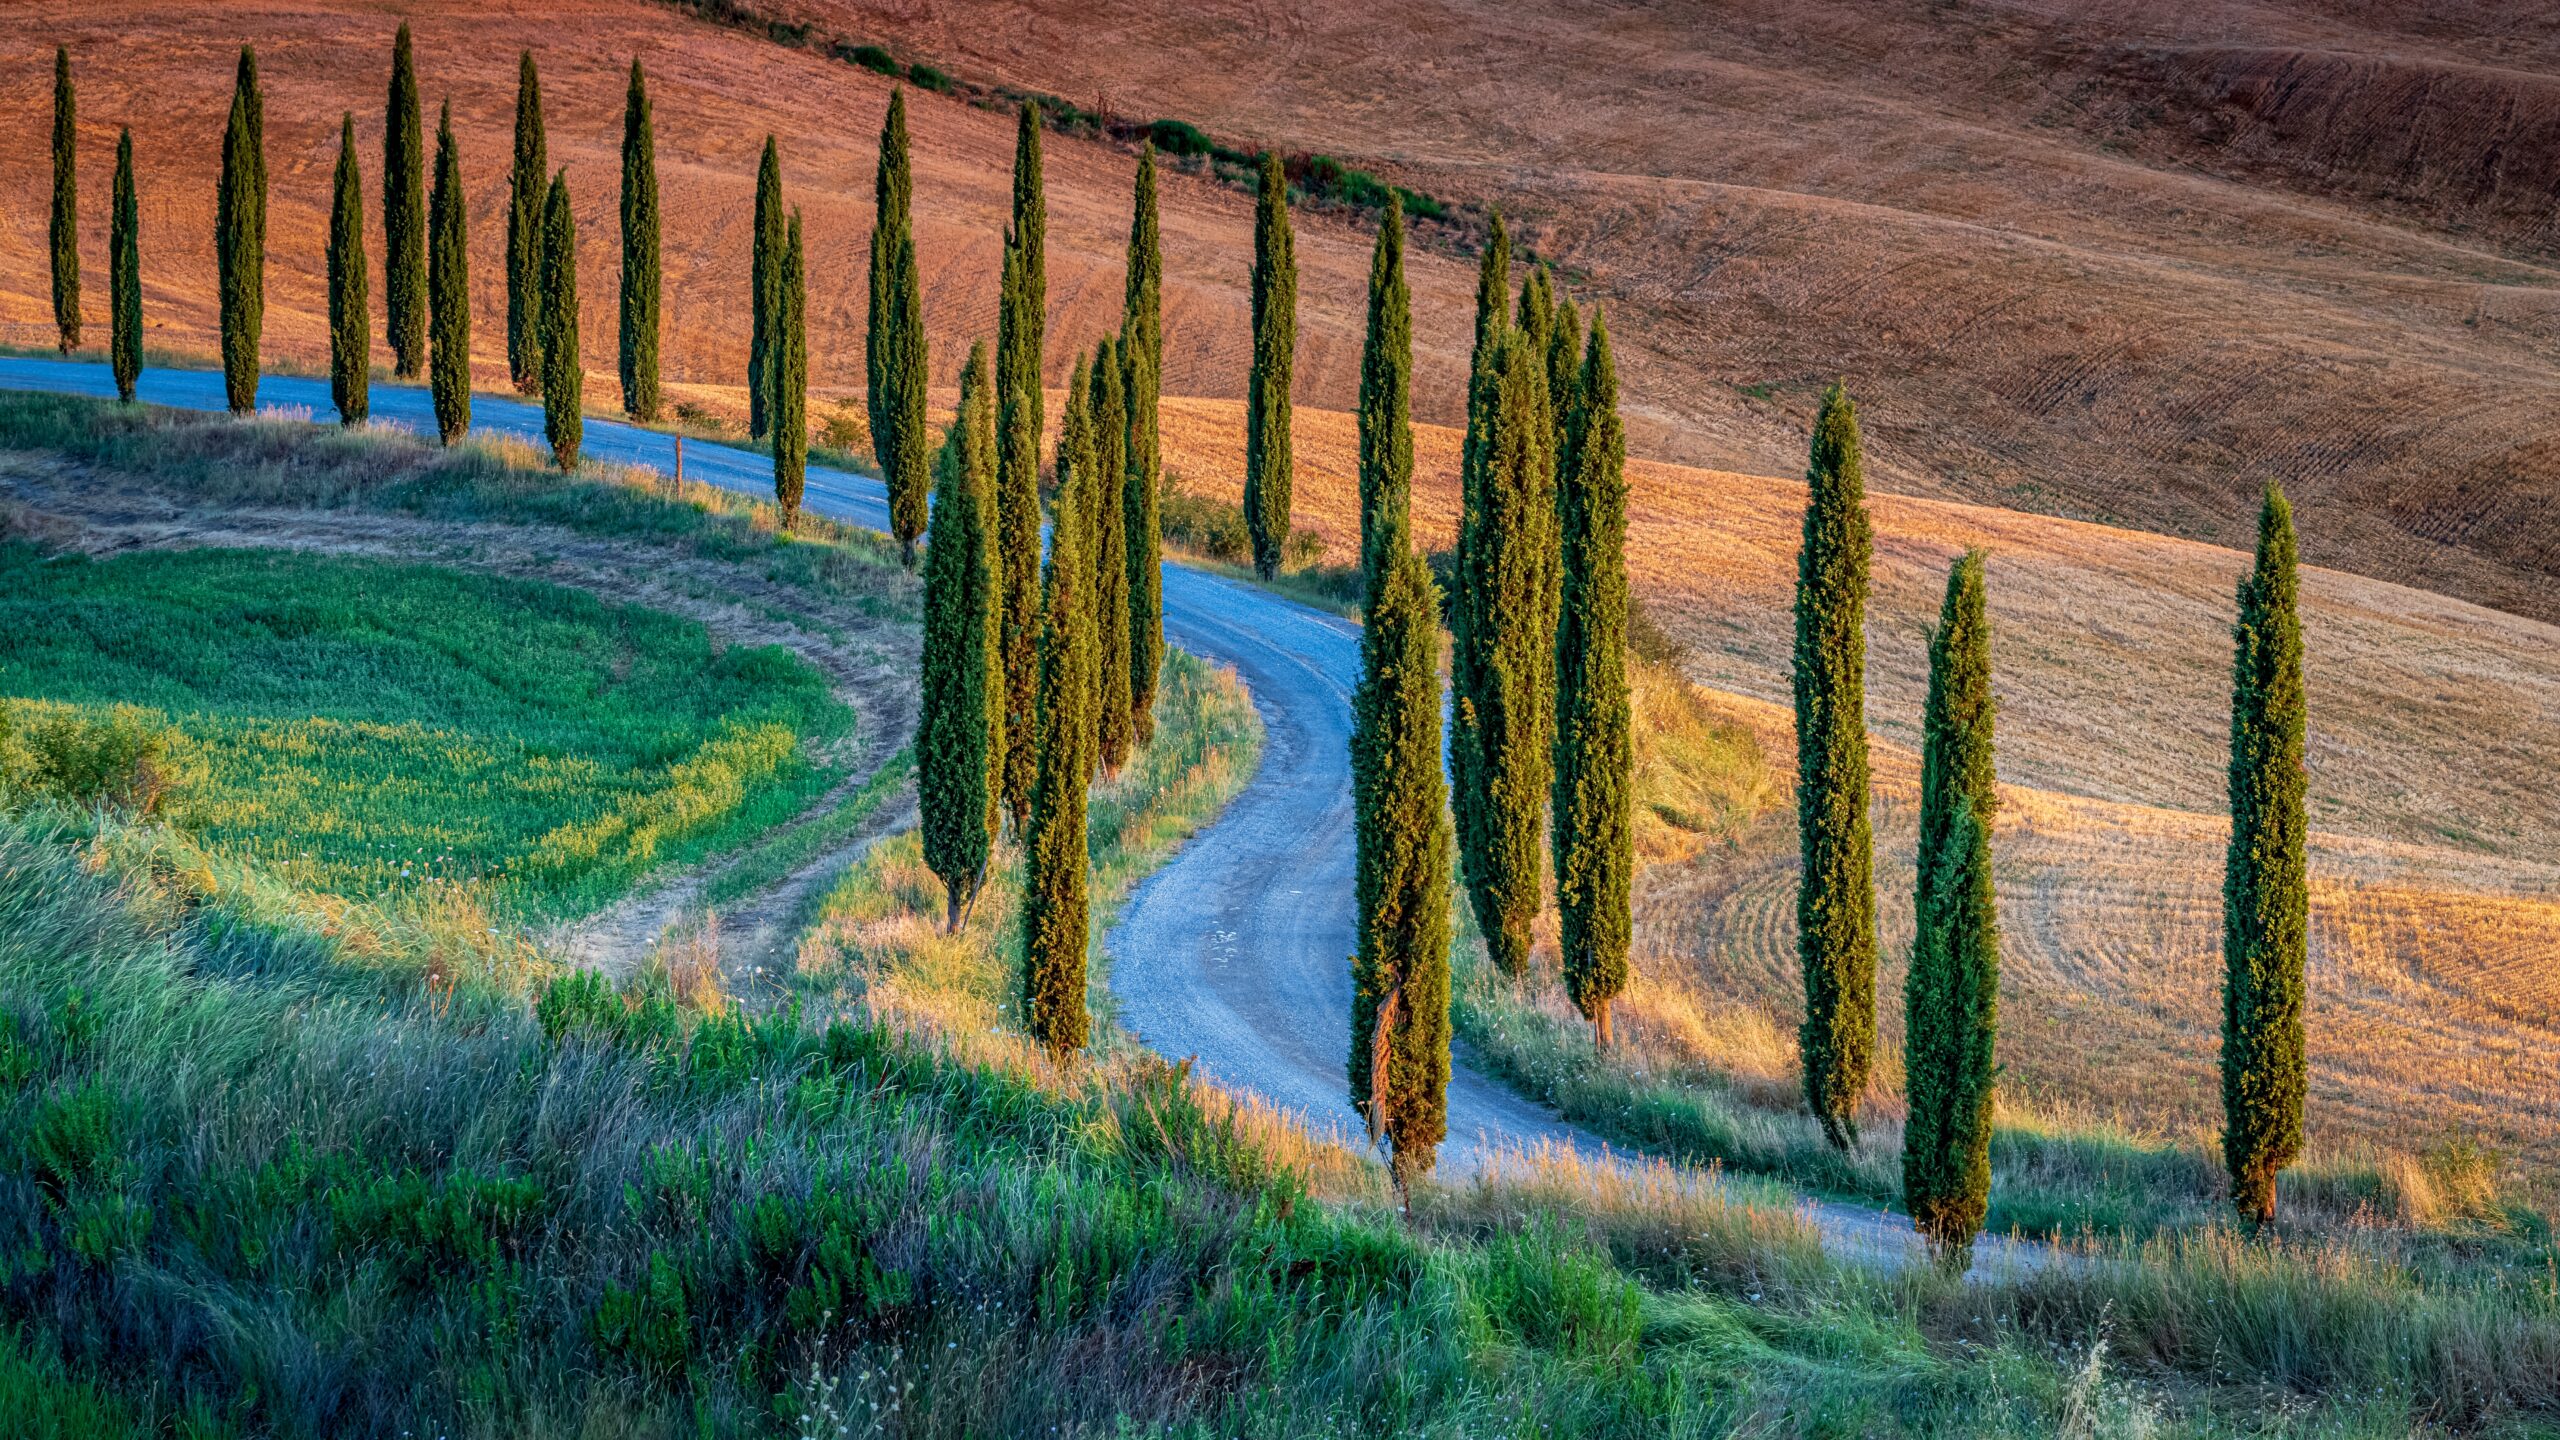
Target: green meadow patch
365, 729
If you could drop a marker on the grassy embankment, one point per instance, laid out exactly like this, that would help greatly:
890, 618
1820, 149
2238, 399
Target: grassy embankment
609, 1211
524, 751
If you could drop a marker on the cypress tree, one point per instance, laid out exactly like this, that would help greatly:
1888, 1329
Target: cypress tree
1386, 403
1021, 317
959, 730
240, 236
350, 304
1538, 311
894, 344
1400, 973
449, 288
2265, 896
1565, 355
1951, 996
404, 215
124, 274
1268, 466
1076, 504
1055, 908
527, 194
65, 229
1142, 361
564, 375
640, 237
1595, 756
1113, 727
1835, 902
1493, 302
1506, 719
765, 279
791, 381
1493, 287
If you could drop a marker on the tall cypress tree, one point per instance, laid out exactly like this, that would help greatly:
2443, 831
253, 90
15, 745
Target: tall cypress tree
2265, 895
959, 729
1538, 312
1268, 465
1951, 997
1493, 319
640, 245
1595, 755
240, 236
350, 301
1142, 362
564, 374
791, 380
894, 343
1113, 726
1565, 355
1835, 902
124, 275
765, 291
404, 215
1506, 718
527, 192
65, 229
1056, 917
1386, 402
449, 288
1075, 503
1400, 972
1021, 320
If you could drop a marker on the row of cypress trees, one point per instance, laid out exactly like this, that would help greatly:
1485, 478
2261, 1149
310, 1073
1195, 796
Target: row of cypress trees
1540, 709
124, 239
1542, 745
1951, 991
1038, 679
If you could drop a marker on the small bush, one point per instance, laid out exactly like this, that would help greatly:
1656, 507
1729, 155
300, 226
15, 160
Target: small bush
872, 57
1179, 137
928, 78
647, 1325
84, 756
846, 429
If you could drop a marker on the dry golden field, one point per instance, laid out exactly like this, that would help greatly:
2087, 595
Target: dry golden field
2106, 260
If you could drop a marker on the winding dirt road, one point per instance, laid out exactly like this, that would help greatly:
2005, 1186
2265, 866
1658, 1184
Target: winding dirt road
1236, 952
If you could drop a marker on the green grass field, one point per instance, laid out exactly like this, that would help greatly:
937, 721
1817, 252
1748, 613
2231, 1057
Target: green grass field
362, 729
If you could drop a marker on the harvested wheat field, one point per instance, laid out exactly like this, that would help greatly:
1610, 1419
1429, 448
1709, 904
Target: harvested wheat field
2117, 262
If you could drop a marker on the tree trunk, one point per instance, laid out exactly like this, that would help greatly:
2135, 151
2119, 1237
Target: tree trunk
1600, 1026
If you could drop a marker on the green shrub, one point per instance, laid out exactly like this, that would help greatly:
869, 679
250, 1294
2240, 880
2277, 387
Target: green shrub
872, 57
426, 1231
927, 77
75, 1141
121, 755
648, 1325
1179, 137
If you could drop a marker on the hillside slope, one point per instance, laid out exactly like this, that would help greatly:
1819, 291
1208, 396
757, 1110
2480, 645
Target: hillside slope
2112, 262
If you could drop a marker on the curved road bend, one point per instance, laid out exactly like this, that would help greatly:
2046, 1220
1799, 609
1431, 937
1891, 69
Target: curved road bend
1237, 951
